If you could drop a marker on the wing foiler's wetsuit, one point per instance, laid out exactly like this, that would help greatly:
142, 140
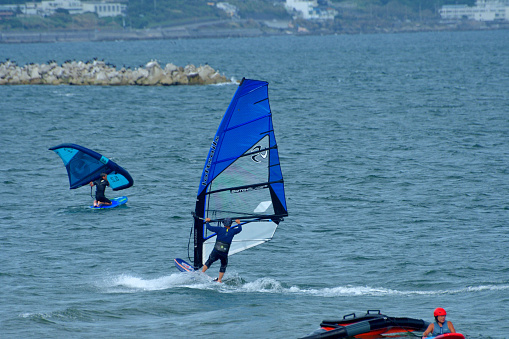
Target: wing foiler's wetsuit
100, 187
223, 241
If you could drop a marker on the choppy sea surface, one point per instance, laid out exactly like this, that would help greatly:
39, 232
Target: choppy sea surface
395, 153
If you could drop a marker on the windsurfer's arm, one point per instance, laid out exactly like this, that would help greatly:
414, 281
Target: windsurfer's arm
210, 227
238, 227
207, 220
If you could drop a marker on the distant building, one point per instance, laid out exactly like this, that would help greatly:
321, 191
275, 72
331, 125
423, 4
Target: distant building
32, 8
484, 10
8, 11
230, 9
104, 9
72, 6
50, 7
310, 10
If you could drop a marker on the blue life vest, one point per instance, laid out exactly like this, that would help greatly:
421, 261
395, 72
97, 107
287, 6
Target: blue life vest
437, 330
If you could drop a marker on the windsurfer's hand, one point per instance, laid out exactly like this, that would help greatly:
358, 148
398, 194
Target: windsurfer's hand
207, 219
237, 221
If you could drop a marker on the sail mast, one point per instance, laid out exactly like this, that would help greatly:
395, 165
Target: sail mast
198, 232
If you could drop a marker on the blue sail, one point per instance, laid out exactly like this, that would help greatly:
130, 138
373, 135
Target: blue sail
84, 165
242, 177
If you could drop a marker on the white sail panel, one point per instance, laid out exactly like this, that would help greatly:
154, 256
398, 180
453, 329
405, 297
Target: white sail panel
253, 234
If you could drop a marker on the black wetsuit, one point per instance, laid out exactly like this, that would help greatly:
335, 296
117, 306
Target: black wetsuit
223, 240
100, 187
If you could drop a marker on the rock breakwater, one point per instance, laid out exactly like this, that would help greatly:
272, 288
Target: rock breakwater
101, 73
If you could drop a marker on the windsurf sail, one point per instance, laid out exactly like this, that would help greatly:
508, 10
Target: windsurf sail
242, 177
84, 165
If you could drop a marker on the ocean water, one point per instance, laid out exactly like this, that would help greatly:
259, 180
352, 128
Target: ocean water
395, 153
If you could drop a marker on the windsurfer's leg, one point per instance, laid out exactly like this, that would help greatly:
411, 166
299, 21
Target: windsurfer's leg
222, 269
210, 260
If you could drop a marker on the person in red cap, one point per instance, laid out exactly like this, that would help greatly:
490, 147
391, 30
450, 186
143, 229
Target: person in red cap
440, 326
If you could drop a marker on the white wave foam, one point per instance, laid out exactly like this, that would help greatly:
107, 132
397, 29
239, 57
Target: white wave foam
486, 288
131, 284
126, 283
268, 285
342, 291
263, 285
233, 81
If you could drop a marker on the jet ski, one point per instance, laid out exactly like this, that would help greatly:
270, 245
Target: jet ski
372, 324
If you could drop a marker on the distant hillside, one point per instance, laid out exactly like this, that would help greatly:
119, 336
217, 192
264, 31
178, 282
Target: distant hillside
353, 15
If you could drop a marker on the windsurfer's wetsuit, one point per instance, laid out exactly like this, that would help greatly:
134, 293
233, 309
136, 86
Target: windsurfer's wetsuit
437, 330
100, 187
223, 241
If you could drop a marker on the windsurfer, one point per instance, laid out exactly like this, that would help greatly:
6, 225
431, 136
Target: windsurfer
223, 241
101, 183
440, 326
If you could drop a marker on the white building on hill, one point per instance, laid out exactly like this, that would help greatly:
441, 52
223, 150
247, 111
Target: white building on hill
103, 9
484, 10
50, 7
310, 10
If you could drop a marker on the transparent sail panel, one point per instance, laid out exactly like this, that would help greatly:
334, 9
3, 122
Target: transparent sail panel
241, 189
246, 170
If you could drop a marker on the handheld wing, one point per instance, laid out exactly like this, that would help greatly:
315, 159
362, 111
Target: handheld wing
84, 165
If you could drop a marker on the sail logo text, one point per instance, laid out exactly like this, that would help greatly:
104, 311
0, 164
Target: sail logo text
209, 162
261, 154
247, 189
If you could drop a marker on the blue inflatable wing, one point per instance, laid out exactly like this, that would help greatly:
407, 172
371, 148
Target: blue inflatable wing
84, 165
